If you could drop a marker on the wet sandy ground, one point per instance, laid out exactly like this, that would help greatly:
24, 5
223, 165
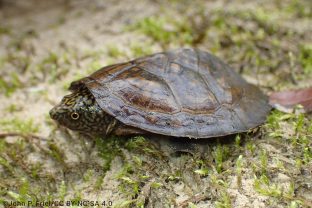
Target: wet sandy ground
44, 45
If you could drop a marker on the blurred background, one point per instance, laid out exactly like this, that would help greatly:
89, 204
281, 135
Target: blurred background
45, 45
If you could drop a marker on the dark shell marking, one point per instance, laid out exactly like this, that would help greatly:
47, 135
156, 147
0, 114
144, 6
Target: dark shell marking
183, 93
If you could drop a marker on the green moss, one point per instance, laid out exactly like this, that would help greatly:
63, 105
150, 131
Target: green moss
250, 147
7, 165
36, 170
239, 165
136, 143
13, 108
125, 203
52, 58
138, 49
276, 117
8, 87
307, 154
62, 191
129, 186
238, 140
5, 31
299, 8
305, 58
165, 30
24, 190
108, 149
18, 125
20, 62
191, 205
99, 181
3, 145
295, 204
156, 185
114, 52
88, 175
262, 17
175, 177
50, 69
290, 193
154, 27
267, 188
94, 66
77, 198
56, 152
224, 201
203, 170
263, 161
216, 180
140, 145
220, 154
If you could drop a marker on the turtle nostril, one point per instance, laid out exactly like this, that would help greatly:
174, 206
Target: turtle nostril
52, 113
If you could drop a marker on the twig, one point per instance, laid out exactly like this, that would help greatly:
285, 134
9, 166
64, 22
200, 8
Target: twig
26, 136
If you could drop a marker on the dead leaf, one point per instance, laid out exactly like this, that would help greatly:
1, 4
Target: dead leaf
290, 98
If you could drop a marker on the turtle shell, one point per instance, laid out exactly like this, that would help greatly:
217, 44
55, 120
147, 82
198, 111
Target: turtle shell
182, 93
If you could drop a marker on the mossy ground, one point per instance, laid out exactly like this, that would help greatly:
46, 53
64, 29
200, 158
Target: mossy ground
44, 45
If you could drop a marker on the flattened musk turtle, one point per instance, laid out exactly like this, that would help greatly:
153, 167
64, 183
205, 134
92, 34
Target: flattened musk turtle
180, 93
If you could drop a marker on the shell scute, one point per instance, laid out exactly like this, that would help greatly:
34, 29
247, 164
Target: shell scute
184, 92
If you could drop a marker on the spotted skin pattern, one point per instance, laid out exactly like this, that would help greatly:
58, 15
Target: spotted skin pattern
80, 112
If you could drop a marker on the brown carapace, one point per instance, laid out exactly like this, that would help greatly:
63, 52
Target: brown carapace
181, 93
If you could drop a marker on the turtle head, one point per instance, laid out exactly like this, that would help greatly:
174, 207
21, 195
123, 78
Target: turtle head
79, 111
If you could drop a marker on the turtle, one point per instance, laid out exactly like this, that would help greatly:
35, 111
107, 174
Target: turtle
181, 93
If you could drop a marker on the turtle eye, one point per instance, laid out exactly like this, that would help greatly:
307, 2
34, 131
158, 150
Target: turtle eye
74, 115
